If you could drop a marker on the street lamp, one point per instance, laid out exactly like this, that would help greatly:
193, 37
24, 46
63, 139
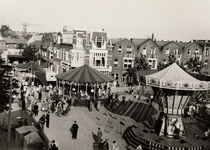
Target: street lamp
10, 76
9, 117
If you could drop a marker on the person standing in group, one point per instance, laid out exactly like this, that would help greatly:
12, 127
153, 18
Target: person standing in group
75, 128
48, 119
106, 145
26, 122
139, 147
114, 146
98, 104
53, 145
99, 134
117, 96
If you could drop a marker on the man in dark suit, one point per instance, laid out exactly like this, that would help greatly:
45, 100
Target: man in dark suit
74, 130
36, 109
47, 120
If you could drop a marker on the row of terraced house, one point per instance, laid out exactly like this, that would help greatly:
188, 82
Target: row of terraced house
70, 49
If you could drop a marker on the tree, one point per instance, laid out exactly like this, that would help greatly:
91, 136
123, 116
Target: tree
140, 63
7, 32
194, 65
4, 31
171, 59
5, 86
30, 53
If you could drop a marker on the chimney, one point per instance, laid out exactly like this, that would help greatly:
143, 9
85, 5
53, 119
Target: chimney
152, 36
131, 39
65, 29
102, 29
59, 39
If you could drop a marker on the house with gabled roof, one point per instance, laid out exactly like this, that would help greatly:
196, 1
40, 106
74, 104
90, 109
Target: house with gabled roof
192, 49
151, 49
168, 48
98, 52
124, 52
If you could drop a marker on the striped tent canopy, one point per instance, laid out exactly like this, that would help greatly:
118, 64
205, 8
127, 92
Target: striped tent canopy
174, 77
84, 74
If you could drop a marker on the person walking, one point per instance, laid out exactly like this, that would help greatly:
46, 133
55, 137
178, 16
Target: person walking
42, 121
48, 119
36, 109
74, 130
99, 134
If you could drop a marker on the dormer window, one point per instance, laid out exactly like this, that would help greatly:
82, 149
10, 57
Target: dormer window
99, 41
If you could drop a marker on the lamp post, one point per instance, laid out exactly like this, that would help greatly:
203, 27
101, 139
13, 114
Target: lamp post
9, 117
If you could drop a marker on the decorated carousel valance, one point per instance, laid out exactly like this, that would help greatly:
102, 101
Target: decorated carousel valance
174, 77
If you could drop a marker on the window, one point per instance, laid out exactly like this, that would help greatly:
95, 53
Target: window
116, 63
115, 76
176, 51
189, 52
120, 49
206, 64
167, 51
144, 51
77, 56
127, 63
64, 55
196, 52
207, 51
164, 61
129, 49
99, 41
99, 59
152, 51
153, 63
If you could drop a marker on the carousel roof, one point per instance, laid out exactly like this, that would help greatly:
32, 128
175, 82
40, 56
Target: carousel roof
174, 77
84, 74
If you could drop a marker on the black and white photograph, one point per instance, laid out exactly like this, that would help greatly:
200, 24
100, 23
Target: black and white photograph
104, 75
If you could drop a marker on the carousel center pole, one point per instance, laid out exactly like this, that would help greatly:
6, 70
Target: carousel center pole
63, 87
70, 90
94, 91
78, 88
86, 88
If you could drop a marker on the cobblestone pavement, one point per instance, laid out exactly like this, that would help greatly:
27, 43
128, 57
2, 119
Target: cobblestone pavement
60, 130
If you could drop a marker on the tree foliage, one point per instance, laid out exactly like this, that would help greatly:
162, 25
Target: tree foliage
5, 86
171, 59
30, 53
194, 65
140, 63
7, 32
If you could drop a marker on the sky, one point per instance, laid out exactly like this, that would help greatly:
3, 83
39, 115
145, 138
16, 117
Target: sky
181, 20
